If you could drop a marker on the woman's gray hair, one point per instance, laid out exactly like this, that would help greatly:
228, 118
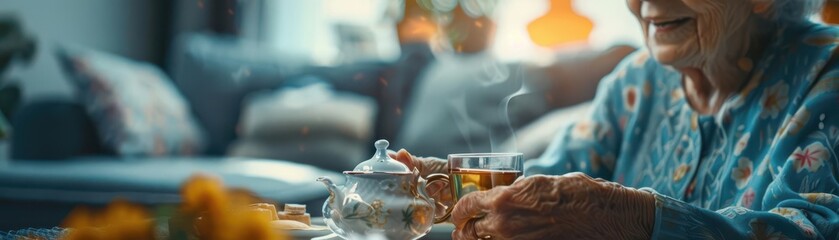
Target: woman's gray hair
792, 10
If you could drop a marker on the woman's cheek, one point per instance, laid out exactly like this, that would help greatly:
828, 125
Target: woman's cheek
701, 6
710, 21
722, 24
709, 32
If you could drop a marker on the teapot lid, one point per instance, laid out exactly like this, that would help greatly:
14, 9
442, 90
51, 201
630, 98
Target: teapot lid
381, 162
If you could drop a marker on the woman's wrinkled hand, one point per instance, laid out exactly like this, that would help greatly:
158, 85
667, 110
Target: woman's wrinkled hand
425, 165
571, 206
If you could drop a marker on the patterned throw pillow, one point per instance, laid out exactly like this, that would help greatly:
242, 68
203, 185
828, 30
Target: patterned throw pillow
137, 110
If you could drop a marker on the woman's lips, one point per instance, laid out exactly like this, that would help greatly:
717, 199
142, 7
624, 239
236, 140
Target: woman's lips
669, 25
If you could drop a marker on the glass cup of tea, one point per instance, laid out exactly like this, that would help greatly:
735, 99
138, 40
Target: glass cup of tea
472, 172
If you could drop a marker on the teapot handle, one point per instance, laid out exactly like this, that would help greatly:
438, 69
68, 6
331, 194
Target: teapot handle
444, 178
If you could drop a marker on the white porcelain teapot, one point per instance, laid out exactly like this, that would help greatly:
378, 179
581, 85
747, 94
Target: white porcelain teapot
380, 196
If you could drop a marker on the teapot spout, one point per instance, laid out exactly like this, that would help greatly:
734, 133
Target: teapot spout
334, 192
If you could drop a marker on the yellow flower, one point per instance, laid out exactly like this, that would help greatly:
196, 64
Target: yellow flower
251, 225
119, 220
225, 214
203, 193
208, 211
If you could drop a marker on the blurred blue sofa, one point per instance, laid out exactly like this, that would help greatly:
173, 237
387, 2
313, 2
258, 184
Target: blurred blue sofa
58, 162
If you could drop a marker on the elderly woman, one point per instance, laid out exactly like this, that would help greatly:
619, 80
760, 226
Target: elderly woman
727, 122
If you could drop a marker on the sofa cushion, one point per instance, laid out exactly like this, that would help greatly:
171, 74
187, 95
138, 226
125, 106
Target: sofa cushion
334, 153
312, 124
216, 73
136, 109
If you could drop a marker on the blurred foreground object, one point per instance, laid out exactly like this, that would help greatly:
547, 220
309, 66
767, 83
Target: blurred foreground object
218, 213
15, 45
120, 220
208, 211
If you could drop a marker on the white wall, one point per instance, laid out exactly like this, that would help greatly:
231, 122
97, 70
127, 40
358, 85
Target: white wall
126, 27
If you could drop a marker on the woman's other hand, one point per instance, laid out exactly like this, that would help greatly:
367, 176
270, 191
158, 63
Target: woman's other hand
571, 206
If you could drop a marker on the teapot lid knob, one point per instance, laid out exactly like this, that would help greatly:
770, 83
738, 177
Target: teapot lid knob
381, 146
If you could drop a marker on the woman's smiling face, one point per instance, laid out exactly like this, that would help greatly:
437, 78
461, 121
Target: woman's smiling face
688, 33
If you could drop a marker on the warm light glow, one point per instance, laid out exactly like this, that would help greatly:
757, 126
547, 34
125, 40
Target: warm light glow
417, 29
415, 25
560, 25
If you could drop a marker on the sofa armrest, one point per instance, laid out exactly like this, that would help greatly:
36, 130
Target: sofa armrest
53, 129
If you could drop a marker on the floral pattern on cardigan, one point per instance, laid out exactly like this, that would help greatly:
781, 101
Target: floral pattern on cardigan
764, 167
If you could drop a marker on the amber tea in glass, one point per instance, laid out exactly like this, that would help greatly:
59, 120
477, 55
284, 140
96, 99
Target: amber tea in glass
471, 172
465, 181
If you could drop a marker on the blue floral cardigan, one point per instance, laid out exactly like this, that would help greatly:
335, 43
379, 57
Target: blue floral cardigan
764, 167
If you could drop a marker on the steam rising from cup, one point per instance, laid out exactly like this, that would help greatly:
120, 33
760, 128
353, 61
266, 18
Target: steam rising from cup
497, 123
504, 106
494, 73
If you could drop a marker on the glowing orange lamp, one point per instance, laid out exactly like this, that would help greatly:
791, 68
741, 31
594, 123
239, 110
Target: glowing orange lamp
560, 25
